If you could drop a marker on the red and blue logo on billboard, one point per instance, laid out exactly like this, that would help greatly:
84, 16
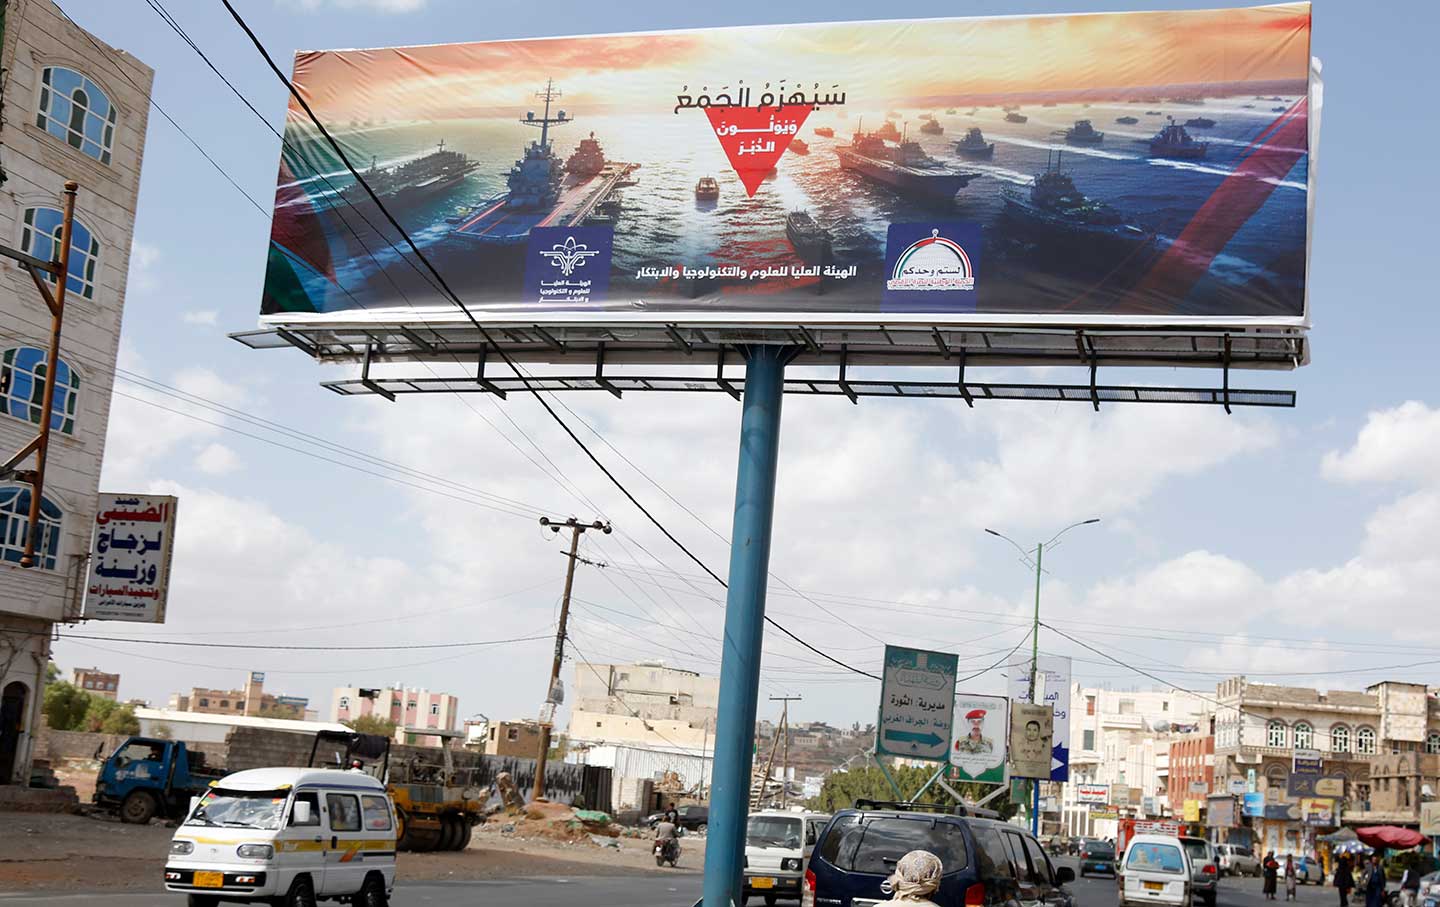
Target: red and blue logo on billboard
568, 266
931, 266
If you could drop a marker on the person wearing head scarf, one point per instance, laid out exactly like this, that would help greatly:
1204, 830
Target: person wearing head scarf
917, 876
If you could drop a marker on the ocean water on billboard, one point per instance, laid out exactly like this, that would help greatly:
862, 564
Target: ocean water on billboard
659, 222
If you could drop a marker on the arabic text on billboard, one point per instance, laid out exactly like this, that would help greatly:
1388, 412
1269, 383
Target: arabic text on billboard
917, 704
1147, 168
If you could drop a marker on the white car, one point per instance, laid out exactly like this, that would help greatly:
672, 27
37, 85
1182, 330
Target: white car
1156, 870
1238, 860
287, 836
778, 845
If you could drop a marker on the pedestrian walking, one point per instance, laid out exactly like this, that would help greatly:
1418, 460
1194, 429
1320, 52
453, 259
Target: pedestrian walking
1270, 868
1410, 887
1291, 877
1344, 879
1375, 883
917, 876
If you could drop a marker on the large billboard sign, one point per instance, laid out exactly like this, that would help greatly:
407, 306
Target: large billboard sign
978, 751
130, 551
1052, 688
1111, 169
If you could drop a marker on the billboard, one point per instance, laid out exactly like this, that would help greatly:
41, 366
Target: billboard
1191, 811
1031, 729
1220, 812
917, 704
1148, 168
979, 755
130, 551
1318, 811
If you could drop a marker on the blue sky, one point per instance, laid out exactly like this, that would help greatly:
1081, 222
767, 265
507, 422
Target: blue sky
1311, 524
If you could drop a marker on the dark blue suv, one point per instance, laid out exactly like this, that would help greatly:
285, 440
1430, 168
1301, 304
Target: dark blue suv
987, 862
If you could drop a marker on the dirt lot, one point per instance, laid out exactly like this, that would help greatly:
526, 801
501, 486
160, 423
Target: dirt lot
57, 852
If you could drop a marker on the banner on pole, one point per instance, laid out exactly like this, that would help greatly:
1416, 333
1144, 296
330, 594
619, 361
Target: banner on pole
917, 704
978, 751
1052, 687
1031, 730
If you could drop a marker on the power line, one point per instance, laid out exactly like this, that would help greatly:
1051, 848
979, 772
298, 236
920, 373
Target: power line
452, 296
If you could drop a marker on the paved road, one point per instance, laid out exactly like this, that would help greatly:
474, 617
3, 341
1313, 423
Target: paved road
678, 890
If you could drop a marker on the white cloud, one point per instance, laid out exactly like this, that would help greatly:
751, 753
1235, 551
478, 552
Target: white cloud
209, 317
1395, 444
142, 434
216, 460
143, 258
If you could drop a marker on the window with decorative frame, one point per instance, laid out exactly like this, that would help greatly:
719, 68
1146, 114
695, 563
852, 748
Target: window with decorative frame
22, 388
40, 236
1276, 733
15, 524
76, 111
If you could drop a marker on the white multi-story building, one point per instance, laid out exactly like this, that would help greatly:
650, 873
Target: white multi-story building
645, 704
409, 707
74, 109
1121, 738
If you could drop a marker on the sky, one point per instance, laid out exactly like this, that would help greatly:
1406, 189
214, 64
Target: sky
1263, 542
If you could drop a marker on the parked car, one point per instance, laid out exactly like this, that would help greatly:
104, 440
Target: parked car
692, 818
985, 860
1204, 869
1157, 870
1308, 871
778, 844
1238, 860
1097, 857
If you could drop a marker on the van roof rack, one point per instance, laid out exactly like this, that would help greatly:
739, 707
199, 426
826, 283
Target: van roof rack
906, 806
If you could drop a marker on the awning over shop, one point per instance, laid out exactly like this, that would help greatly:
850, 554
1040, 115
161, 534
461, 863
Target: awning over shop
1390, 836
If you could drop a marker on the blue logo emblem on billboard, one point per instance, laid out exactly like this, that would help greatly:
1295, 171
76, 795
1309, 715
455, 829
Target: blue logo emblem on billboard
931, 266
568, 266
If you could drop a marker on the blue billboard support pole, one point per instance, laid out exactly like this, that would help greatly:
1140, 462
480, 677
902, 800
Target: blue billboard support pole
744, 622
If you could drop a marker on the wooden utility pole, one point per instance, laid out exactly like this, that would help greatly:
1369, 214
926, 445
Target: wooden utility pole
547, 716
785, 748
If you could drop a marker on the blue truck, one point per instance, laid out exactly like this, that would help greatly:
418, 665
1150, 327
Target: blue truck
149, 776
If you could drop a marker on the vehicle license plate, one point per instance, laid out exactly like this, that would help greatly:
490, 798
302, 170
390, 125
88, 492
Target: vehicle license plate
1154, 886
209, 880
762, 882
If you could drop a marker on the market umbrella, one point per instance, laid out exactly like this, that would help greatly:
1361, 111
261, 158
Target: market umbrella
1390, 836
1339, 837
1353, 847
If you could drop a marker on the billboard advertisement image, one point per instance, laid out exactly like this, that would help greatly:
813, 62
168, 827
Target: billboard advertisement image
1031, 729
1144, 168
131, 545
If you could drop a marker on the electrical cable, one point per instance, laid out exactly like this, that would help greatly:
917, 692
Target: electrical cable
280, 648
452, 296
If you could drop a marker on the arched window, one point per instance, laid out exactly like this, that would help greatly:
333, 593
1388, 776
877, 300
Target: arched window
1304, 736
22, 388
40, 236
1340, 739
1432, 743
1275, 733
15, 523
74, 110
1365, 741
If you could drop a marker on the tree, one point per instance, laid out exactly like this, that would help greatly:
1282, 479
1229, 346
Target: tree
52, 672
106, 716
558, 748
65, 706
371, 724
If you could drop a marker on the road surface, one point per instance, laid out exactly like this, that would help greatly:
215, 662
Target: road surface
681, 889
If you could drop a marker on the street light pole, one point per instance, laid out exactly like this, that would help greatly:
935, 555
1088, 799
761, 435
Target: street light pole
1035, 642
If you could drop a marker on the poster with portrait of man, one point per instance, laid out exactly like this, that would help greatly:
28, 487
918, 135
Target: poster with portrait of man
1031, 729
982, 731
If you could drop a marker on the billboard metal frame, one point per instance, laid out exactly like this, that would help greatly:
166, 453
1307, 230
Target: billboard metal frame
597, 347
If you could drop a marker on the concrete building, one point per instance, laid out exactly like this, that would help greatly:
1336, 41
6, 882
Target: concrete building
75, 109
1378, 750
408, 707
1192, 769
646, 689
512, 738
1121, 738
252, 700
598, 728
638, 773
96, 682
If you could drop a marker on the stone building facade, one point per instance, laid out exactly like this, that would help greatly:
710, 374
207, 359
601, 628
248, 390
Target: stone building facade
74, 109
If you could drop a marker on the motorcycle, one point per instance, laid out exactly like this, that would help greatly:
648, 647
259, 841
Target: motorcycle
667, 850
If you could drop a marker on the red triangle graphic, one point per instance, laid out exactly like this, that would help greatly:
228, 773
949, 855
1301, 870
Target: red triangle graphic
754, 139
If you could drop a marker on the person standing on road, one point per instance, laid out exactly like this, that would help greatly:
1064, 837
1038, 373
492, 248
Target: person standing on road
1375, 883
1344, 879
1410, 887
1270, 869
1290, 877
